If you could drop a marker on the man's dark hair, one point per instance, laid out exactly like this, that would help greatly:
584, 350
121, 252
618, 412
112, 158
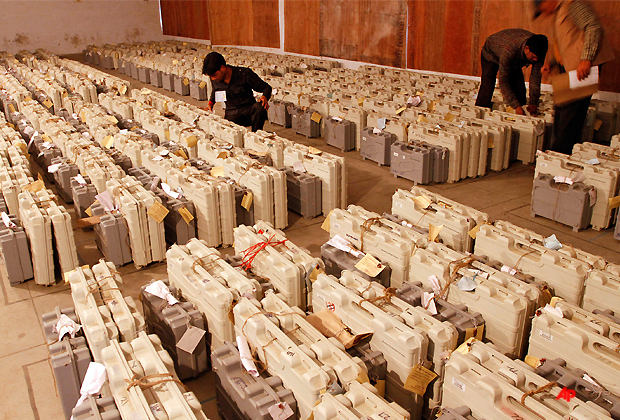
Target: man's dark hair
539, 45
213, 62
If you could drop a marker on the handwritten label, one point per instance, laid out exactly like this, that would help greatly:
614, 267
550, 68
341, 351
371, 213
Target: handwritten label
246, 202
418, 379
186, 215
158, 212
370, 265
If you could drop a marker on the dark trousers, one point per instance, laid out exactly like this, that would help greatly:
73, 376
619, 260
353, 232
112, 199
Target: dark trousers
487, 84
254, 115
568, 124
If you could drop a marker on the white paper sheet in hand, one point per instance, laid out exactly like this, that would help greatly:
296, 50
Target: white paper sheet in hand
575, 83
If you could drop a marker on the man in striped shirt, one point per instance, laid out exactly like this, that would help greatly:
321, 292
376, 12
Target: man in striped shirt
580, 44
504, 55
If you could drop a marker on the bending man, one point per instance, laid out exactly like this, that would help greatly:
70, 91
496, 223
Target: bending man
504, 54
233, 86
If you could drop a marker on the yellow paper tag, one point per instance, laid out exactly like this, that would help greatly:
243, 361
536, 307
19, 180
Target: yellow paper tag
175, 62
362, 378
474, 231
89, 211
554, 300
191, 141
158, 212
315, 273
123, 89
614, 202
476, 332
422, 119
449, 117
35, 186
186, 81
422, 201
314, 150
181, 153
490, 144
88, 221
532, 361
545, 296
217, 171
64, 94
325, 225
186, 215
380, 385
597, 124
46, 138
433, 232
47, 103
431, 106
418, 379
246, 202
222, 155
108, 142
464, 348
400, 110
11, 108
360, 101
112, 119
510, 110
202, 84
167, 134
316, 117
370, 265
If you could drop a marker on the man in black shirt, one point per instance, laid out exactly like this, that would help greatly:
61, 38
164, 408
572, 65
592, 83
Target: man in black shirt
233, 87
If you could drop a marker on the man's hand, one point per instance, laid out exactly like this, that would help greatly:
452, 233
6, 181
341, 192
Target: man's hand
519, 110
264, 101
532, 109
583, 69
546, 69
209, 106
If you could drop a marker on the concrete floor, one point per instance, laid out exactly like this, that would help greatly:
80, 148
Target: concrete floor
28, 391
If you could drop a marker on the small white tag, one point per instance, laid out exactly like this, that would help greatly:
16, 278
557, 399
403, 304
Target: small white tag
158, 288
414, 100
158, 158
555, 311
246, 356
299, 167
80, 179
53, 168
281, 410
164, 152
220, 96
434, 281
169, 191
593, 161
381, 123
7, 221
66, 325
552, 243
460, 385
106, 201
509, 270
467, 284
429, 303
376, 131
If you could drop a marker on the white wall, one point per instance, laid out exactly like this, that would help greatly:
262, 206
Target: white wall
65, 27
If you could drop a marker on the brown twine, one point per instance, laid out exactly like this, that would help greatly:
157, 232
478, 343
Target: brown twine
209, 265
379, 301
256, 165
521, 257
144, 382
453, 269
538, 390
366, 227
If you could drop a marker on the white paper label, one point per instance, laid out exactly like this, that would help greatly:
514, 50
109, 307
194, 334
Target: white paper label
158, 288
554, 311
460, 385
106, 201
574, 82
7, 221
169, 191
93, 381
280, 411
220, 96
546, 335
80, 179
66, 325
509, 270
246, 356
429, 303
53, 168
434, 281
299, 166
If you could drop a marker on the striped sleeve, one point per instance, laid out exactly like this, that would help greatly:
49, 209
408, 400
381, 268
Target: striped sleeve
583, 16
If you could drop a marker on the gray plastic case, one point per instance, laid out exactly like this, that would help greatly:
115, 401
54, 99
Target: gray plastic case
170, 323
337, 260
69, 359
556, 371
176, 229
112, 238
340, 133
97, 409
563, 203
251, 395
83, 196
155, 78
376, 147
304, 193
278, 113
196, 91
376, 365
412, 162
302, 123
458, 315
167, 81
144, 75
62, 178
440, 160
180, 86
16, 253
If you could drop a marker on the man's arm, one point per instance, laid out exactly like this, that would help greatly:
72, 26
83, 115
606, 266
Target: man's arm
211, 98
259, 85
535, 78
582, 15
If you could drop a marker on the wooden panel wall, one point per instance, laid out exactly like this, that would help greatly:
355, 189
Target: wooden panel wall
372, 31
188, 18
301, 26
245, 22
447, 35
